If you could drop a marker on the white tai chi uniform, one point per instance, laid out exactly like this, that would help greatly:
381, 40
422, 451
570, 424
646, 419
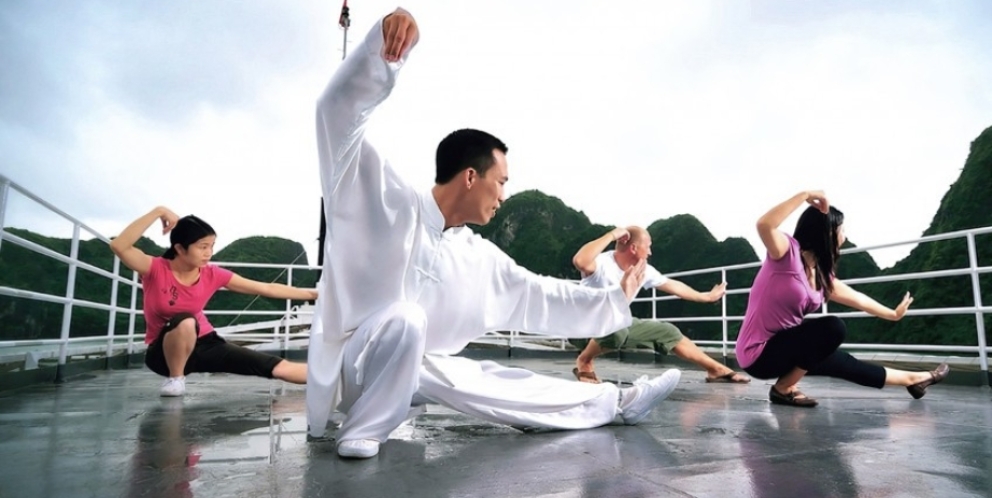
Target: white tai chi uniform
400, 295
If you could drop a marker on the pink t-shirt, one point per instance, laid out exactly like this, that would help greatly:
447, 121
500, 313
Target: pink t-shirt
780, 298
165, 297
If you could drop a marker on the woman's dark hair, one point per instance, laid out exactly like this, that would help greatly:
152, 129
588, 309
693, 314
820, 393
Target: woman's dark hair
817, 233
188, 230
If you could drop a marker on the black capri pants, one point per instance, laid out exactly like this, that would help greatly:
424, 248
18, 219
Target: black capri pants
210, 354
813, 346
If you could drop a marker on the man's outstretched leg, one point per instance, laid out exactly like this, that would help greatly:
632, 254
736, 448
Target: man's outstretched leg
648, 333
521, 398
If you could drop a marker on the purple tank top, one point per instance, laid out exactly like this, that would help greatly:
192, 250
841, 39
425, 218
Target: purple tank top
780, 298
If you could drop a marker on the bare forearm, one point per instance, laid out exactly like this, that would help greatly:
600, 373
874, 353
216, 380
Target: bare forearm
281, 291
136, 229
584, 260
774, 217
847, 296
587, 253
860, 301
683, 291
873, 307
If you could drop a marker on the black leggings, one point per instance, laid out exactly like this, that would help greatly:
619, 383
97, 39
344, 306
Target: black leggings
812, 346
210, 354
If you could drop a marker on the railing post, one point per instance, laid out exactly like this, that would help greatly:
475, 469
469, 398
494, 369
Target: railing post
976, 289
723, 314
289, 309
112, 324
133, 314
70, 293
4, 189
654, 303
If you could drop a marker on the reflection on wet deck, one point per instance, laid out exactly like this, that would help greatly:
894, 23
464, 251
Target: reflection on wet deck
109, 434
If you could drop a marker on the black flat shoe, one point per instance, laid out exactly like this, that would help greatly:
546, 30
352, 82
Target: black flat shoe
795, 398
938, 374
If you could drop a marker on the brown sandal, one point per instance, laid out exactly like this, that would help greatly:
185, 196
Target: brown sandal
588, 377
731, 378
795, 398
938, 374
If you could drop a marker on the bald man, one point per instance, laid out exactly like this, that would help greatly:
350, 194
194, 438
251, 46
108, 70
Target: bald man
604, 269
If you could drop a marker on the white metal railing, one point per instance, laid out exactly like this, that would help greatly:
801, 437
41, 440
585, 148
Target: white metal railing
278, 330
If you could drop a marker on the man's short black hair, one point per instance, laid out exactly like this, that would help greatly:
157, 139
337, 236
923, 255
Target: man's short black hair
463, 149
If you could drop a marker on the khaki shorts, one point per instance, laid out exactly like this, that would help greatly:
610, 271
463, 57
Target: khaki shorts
653, 334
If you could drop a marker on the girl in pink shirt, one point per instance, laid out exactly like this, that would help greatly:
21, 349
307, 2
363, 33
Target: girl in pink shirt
776, 338
176, 288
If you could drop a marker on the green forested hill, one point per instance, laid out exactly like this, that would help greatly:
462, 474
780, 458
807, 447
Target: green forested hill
534, 229
967, 204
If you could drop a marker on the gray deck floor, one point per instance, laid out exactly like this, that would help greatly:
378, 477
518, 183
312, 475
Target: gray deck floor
109, 434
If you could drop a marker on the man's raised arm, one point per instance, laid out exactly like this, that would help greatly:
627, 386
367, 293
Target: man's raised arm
363, 80
585, 259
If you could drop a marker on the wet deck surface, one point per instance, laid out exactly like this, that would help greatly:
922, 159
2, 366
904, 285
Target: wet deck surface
109, 434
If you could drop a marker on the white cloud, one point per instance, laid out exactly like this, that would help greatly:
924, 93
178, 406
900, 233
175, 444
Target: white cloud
630, 111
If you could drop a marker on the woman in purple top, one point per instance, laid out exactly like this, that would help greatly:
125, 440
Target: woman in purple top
778, 341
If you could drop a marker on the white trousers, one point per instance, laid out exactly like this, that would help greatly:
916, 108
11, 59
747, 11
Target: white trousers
379, 373
515, 396
384, 368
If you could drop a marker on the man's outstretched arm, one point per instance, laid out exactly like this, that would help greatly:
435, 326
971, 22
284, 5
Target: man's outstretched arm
539, 304
682, 290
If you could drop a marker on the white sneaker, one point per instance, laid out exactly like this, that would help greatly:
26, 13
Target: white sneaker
173, 386
358, 448
638, 401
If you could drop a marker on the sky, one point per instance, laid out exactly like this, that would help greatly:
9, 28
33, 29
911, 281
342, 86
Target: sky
629, 111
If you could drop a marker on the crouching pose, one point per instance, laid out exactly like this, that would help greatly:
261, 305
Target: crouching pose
412, 285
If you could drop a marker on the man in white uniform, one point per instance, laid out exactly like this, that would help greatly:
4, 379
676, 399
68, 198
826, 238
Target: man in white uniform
406, 285
604, 269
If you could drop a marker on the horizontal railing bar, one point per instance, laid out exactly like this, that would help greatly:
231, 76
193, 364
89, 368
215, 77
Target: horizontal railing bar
277, 266
71, 340
880, 347
52, 208
923, 275
926, 238
40, 296
962, 310
27, 244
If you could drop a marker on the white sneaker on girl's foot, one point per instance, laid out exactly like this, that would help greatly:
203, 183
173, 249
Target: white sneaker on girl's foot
173, 386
